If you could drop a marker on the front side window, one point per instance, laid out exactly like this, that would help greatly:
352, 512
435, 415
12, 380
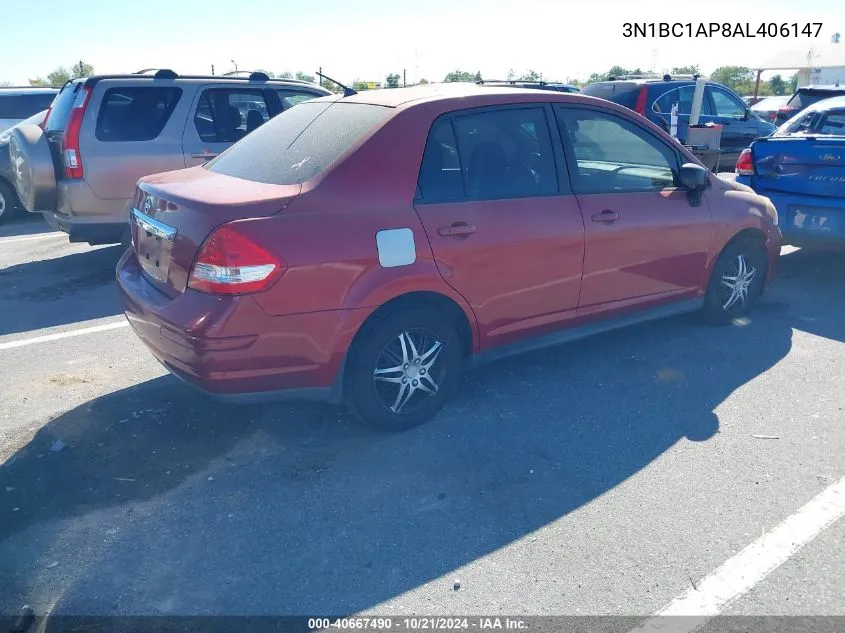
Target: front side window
727, 105
135, 114
613, 154
227, 115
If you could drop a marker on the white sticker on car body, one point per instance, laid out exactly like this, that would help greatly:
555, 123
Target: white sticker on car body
396, 247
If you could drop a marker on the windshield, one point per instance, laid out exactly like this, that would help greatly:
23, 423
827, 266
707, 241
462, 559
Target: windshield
807, 97
298, 144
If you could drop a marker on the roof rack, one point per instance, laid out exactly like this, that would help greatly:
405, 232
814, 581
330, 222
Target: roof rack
166, 73
663, 77
511, 82
31, 87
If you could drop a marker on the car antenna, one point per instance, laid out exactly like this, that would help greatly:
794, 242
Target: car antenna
347, 91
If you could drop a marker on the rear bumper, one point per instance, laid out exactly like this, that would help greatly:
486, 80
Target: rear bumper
229, 348
799, 228
85, 231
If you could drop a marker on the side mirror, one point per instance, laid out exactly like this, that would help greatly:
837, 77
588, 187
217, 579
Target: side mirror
694, 177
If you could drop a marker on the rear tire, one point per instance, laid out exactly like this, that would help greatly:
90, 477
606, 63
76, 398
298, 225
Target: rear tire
403, 368
736, 283
9, 204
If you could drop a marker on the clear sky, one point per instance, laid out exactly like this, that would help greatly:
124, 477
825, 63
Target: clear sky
367, 39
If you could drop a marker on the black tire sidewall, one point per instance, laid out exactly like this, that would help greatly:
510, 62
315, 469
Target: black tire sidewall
12, 204
358, 386
712, 306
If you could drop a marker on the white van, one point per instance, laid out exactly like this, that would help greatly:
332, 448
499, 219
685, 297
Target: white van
17, 104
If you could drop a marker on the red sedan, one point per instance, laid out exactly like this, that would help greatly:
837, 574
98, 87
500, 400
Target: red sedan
365, 249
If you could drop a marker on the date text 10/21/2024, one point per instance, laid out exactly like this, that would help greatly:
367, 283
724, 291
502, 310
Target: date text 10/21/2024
418, 623
721, 29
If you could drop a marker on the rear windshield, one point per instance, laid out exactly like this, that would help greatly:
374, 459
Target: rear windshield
298, 144
621, 92
22, 106
62, 106
804, 98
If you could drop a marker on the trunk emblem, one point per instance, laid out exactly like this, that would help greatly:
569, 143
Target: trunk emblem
829, 157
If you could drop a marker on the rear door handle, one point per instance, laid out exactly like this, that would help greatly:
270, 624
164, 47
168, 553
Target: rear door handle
607, 216
456, 228
205, 155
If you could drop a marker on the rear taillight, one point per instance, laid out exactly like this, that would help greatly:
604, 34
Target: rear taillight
745, 164
231, 263
639, 108
784, 112
70, 141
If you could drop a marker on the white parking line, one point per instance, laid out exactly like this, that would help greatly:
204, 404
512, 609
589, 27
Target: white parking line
27, 238
740, 573
60, 335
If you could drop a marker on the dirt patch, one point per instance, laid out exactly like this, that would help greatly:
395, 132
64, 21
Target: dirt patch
66, 380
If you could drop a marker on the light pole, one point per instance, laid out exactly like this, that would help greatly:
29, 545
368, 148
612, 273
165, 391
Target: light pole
235, 65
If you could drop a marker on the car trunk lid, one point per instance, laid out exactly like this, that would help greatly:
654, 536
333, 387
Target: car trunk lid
173, 213
811, 165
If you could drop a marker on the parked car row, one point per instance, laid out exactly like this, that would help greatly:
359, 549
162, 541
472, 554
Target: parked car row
365, 248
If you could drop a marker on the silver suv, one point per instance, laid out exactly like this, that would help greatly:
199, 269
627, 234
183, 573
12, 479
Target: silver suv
103, 133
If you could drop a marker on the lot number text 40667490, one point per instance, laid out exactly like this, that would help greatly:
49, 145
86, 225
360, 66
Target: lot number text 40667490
721, 29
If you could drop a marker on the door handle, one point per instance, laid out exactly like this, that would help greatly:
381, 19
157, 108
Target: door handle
606, 216
205, 155
456, 228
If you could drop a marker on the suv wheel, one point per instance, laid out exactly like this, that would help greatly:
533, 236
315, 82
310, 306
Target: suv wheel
736, 282
8, 202
403, 369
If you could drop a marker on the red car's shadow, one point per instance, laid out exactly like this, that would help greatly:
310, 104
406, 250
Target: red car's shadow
163, 502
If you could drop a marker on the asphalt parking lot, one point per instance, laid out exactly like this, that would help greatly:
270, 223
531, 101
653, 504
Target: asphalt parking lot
608, 476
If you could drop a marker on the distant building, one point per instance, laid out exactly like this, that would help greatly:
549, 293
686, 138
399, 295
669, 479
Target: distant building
821, 76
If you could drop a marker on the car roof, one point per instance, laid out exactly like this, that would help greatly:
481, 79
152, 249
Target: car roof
398, 97
27, 90
824, 87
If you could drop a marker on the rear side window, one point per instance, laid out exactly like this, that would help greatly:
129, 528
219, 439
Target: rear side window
227, 115
298, 144
683, 97
489, 155
135, 114
23, 106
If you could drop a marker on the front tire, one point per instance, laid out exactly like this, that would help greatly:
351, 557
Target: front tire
736, 282
8, 202
403, 368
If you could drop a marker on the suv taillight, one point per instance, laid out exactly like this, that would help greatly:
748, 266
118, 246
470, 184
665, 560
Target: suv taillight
639, 108
785, 112
745, 163
70, 140
231, 263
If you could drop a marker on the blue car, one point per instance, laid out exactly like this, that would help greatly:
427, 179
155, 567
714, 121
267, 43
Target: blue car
654, 97
801, 169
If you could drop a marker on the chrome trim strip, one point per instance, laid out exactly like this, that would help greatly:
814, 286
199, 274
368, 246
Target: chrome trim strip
153, 226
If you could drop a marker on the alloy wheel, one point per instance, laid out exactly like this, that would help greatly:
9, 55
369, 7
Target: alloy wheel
736, 282
407, 371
